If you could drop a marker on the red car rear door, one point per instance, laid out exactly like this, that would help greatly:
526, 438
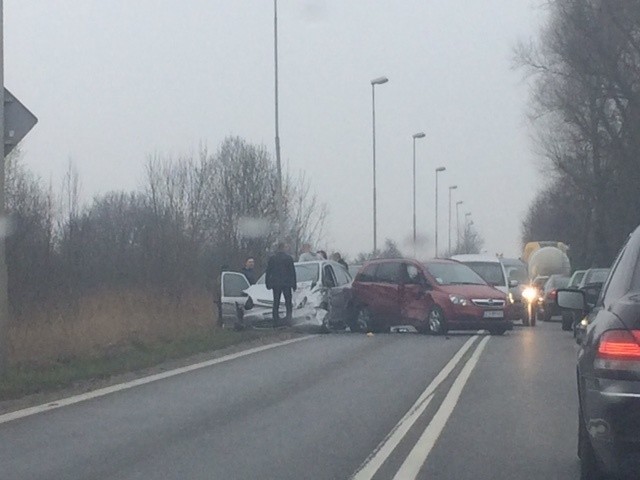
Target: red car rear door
415, 302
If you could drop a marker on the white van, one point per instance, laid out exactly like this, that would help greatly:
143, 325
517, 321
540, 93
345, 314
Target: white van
488, 267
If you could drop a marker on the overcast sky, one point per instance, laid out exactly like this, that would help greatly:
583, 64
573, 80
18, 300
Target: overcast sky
113, 81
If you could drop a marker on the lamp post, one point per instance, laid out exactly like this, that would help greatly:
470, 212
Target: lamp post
438, 170
451, 189
415, 136
374, 82
458, 203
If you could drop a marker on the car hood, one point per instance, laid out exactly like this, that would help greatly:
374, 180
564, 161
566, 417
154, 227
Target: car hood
473, 291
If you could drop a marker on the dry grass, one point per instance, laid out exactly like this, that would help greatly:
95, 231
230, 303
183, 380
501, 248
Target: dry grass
104, 323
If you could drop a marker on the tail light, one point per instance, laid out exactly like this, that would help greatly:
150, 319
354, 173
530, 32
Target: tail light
619, 350
553, 294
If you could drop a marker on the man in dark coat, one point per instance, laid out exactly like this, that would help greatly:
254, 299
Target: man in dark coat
281, 279
249, 270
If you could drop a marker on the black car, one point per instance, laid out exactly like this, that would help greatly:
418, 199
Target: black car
608, 369
549, 308
591, 284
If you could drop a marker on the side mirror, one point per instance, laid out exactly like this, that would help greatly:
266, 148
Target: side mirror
571, 300
513, 283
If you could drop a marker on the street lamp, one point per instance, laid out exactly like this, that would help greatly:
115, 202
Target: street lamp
415, 136
438, 170
451, 189
458, 203
374, 82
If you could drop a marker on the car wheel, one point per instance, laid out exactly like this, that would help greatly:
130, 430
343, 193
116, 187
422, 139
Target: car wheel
436, 322
589, 468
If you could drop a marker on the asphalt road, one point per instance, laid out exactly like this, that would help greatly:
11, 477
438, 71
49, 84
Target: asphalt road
329, 407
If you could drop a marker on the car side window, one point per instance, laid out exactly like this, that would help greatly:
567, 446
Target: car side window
329, 279
413, 276
342, 276
367, 274
619, 281
388, 272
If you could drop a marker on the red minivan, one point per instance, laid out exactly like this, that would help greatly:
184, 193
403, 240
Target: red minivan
434, 297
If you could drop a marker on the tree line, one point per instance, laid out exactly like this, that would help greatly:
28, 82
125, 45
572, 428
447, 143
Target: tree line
193, 216
585, 107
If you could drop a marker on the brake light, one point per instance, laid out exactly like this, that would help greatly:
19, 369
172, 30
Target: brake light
620, 345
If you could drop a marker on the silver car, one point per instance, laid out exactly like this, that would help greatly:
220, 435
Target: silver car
321, 301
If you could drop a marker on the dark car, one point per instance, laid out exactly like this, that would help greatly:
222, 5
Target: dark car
594, 276
590, 282
549, 307
609, 369
434, 297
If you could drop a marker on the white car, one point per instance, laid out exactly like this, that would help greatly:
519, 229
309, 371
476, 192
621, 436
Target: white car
321, 301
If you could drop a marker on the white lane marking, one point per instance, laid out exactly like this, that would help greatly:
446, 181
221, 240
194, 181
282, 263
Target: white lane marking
421, 450
7, 417
372, 464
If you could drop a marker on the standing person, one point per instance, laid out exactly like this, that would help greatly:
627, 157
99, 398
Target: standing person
249, 270
338, 258
307, 255
281, 278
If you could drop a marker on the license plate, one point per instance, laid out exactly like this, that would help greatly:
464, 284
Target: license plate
494, 314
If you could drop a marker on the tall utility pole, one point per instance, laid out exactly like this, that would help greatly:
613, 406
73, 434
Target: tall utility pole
415, 135
4, 298
451, 189
438, 170
374, 82
279, 195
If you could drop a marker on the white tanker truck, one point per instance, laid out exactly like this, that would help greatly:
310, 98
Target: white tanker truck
543, 259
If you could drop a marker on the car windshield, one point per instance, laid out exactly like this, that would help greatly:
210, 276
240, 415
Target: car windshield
491, 272
517, 273
454, 274
557, 282
305, 272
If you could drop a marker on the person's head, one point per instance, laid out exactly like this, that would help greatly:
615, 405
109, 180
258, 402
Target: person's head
306, 247
249, 263
323, 254
282, 247
336, 256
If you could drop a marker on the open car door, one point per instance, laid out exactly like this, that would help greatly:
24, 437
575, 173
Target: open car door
232, 298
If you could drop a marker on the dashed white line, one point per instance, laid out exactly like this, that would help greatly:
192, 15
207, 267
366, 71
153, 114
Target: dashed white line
391, 441
7, 417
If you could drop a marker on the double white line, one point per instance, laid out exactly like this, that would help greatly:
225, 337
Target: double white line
421, 450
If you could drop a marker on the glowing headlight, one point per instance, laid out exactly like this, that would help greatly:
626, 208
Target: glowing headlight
511, 299
458, 300
529, 294
584, 323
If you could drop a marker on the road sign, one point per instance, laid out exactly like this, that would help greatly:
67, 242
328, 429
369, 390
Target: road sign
18, 120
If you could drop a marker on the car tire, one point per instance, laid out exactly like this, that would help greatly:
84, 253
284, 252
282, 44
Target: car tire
589, 467
436, 323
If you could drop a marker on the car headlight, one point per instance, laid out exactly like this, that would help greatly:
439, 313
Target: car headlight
458, 300
511, 299
529, 294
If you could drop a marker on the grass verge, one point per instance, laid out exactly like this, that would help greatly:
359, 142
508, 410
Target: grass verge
24, 380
